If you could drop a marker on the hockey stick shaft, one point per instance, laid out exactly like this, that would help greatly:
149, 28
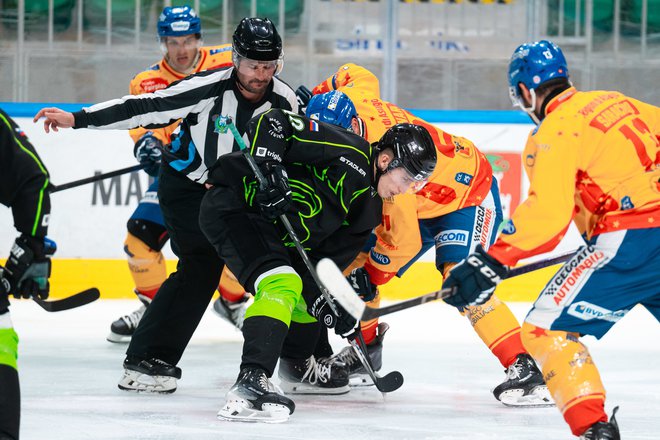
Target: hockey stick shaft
370, 313
70, 302
285, 221
85, 181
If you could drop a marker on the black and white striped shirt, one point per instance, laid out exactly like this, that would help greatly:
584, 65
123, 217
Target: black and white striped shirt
198, 100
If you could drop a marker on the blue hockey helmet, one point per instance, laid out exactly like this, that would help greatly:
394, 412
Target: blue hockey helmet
176, 21
534, 64
333, 107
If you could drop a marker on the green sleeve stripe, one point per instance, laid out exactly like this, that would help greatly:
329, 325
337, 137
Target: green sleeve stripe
41, 167
332, 144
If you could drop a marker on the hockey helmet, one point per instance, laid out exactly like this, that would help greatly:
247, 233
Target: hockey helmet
257, 39
413, 148
333, 107
177, 21
534, 64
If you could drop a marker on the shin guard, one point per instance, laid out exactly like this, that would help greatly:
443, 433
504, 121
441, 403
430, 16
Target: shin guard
147, 266
570, 374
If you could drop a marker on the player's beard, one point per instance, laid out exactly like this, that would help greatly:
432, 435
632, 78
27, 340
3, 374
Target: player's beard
254, 86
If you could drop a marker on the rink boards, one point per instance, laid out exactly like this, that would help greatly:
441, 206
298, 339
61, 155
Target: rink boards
89, 222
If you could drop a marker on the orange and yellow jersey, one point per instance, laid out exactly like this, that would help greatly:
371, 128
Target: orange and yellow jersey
462, 176
594, 160
161, 75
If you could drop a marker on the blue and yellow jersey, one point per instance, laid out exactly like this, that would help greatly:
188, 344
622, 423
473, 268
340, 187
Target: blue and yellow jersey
593, 160
161, 75
462, 176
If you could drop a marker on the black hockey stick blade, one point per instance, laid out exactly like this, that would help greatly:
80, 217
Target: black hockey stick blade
70, 302
385, 384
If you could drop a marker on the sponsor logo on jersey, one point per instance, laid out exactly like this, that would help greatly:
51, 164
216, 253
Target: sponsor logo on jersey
152, 84
462, 149
452, 236
587, 311
482, 226
353, 165
530, 159
275, 129
265, 152
626, 203
574, 273
508, 228
463, 178
379, 258
222, 49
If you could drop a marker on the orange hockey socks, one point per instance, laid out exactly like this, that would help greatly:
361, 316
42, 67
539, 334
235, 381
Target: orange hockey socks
147, 266
570, 373
229, 287
498, 328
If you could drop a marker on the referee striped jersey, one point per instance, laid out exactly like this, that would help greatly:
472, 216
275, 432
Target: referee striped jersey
198, 101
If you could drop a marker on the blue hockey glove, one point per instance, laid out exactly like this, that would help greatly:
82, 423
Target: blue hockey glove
474, 279
361, 282
28, 267
148, 151
275, 199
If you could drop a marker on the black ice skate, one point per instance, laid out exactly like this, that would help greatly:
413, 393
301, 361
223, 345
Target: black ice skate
122, 329
313, 376
233, 312
524, 385
358, 376
253, 398
149, 376
603, 430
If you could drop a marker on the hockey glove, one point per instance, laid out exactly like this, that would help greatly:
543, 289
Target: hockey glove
275, 199
343, 323
4, 292
148, 151
474, 279
303, 95
361, 283
28, 267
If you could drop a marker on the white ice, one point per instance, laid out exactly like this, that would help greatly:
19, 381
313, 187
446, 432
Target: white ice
69, 379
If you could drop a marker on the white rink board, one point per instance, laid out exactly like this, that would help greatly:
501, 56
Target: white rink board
84, 229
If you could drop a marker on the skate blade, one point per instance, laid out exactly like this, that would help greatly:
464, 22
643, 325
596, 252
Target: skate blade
143, 383
539, 397
117, 338
307, 388
237, 411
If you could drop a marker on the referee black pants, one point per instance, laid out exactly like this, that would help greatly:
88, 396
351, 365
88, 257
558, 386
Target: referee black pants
177, 308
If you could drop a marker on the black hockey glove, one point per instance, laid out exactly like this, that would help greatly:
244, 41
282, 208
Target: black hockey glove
361, 283
275, 199
28, 267
303, 95
474, 279
4, 292
343, 323
148, 151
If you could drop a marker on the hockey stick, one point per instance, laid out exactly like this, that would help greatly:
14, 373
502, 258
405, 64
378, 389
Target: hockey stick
86, 180
392, 381
70, 302
389, 382
342, 291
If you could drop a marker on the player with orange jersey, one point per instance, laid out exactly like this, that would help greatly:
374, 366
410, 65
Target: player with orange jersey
458, 209
179, 31
593, 160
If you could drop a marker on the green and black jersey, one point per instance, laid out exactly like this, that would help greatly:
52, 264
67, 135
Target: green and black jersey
24, 180
330, 172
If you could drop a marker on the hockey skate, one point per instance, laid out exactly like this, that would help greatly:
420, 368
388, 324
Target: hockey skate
312, 376
603, 430
122, 329
524, 385
233, 312
358, 376
253, 398
149, 376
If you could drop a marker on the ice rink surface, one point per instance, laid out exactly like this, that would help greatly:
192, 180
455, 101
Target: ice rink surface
69, 379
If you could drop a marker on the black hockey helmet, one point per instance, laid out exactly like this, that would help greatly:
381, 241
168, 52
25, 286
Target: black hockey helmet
413, 148
257, 39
